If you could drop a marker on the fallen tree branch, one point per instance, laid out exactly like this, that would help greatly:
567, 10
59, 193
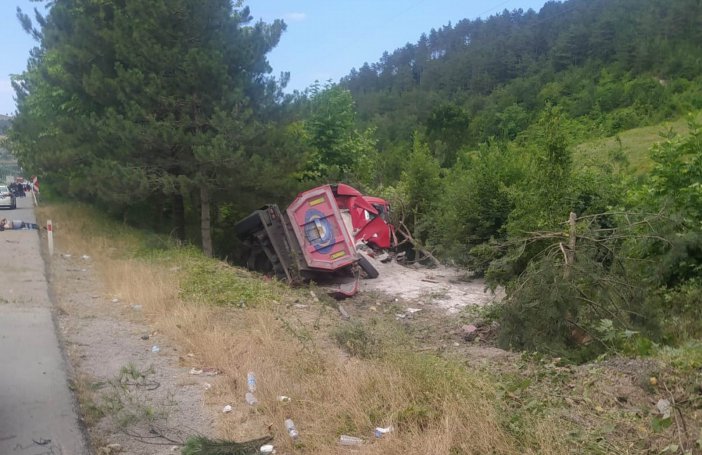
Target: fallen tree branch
402, 229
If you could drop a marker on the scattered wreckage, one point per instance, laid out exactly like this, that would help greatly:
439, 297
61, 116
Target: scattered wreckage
320, 237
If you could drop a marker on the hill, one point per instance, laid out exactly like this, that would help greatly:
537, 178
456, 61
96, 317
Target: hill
611, 64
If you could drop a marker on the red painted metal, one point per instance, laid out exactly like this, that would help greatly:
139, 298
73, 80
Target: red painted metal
369, 220
316, 220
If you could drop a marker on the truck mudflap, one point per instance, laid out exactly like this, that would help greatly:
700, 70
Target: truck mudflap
317, 223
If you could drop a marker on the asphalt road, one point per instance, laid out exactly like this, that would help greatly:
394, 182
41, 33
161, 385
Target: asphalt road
37, 410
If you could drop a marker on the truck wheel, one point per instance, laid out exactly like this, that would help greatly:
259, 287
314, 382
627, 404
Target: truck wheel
371, 272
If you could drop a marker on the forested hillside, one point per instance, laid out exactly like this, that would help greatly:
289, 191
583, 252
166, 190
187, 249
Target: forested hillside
174, 123
610, 64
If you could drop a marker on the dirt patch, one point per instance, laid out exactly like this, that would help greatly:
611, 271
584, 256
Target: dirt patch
441, 287
132, 386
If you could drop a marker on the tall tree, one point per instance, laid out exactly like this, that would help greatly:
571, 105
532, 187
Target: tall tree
140, 96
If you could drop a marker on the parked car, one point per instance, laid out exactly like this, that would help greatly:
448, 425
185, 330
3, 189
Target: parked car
7, 199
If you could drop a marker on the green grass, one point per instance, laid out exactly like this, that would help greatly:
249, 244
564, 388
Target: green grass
633, 144
217, 283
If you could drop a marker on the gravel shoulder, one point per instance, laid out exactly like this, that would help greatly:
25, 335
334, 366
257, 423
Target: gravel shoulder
37, 410
133, 400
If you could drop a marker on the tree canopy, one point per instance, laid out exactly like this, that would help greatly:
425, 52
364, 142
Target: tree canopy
130, 102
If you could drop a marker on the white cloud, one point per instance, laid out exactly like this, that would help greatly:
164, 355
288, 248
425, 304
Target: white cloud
295, 17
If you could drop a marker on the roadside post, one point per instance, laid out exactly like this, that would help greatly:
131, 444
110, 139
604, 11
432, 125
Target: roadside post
50, 231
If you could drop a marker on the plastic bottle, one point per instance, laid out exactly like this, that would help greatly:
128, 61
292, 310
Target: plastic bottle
290, 426
251, 399
380, 431
345, 440
251, 381
268, 448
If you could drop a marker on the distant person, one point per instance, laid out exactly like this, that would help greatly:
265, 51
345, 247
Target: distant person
16, 224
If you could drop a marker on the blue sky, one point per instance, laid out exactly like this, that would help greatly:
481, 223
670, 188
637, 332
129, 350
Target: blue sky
324, 38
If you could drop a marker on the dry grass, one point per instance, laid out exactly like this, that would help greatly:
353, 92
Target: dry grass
436, 406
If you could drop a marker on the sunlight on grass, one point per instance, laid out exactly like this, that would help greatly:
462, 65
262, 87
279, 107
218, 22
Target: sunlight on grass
633, 144
235, 321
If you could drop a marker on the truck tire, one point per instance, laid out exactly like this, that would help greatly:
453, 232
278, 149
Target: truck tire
365, 263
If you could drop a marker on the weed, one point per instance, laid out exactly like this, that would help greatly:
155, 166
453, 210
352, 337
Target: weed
687, 358
85, 389
358, 340
216, 283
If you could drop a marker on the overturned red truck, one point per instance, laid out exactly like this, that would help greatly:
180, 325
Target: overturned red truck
316, 237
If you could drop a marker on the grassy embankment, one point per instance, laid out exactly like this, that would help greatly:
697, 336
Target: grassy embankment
348, 377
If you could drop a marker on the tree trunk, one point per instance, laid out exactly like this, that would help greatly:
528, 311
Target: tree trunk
205, 224
179, 217
569, 251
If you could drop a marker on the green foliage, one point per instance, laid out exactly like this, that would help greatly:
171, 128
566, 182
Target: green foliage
212, 282
358, 340
687, 357
675, 257
337, 150
200, 445
680, 311
123, 101
676, 176
544, 195
421, 180
609, 64
447, 130
476, 202
579, 310
5, 123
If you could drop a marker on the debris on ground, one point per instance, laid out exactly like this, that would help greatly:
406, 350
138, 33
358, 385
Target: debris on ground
664, 408
379, 432
251, 399
346, 440
470, 332
209, 371
200, 445
292, 430
408, 314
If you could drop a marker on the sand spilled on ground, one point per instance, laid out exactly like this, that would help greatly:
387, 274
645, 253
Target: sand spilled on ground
443, 287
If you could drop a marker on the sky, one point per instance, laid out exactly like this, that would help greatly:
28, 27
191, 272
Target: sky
324, 39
